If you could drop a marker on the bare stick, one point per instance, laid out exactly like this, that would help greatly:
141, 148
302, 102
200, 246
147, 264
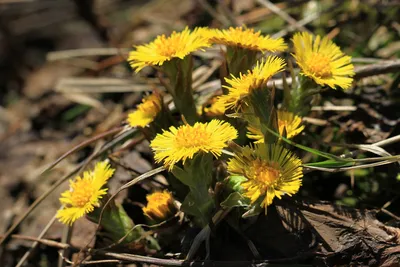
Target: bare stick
334, 108
376, 69
36, 242
207, 7
46, 242
85, 52
301, 23
282, 14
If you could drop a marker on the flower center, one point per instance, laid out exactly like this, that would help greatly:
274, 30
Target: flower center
319, 64
82, 193
168, 46
264, 173
149, 107
189, 136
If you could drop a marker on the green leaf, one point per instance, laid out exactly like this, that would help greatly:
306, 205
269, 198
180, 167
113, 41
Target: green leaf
235, 181
183, 176
262, 105
196, 172
197, 175
311, 150
330, 164
235, 199
255, 210
198, 205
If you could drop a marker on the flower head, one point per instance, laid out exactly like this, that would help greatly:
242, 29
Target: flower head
216, 108
258, 77
185, 141
162, 49
271, 171
160, 205
287, 122
146, 111
322, 60
85, 193
246, 38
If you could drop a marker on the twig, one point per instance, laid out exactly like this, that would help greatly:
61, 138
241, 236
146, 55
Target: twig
378, 68
86, 262
334, 108
282, 14
315, 121
15, 1
46, 242
301, 23
85, 52
100, 85
207, 7
173, 262
367, 60
36, 242
66, 238
142, 259
390, 214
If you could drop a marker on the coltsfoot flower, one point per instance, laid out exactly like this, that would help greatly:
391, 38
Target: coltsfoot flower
162, 49
185, 141
322, 61
146, 111
160, 206
84, 193
271, 171
246, 38
287, 121
240, 87
216, 108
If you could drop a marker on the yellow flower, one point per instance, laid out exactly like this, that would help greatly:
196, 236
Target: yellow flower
287, 121
216, 108
185, 141
245, 38
258, 77
271, 171
85, 193
146, 111
322, 61
162, 49
160, 206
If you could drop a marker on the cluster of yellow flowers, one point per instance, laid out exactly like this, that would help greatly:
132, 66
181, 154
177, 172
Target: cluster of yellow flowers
269, 170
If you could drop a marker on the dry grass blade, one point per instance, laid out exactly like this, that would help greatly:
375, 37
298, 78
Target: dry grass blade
84, 99
85, 52
101, 85
334, 108
282, 14
342, 169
